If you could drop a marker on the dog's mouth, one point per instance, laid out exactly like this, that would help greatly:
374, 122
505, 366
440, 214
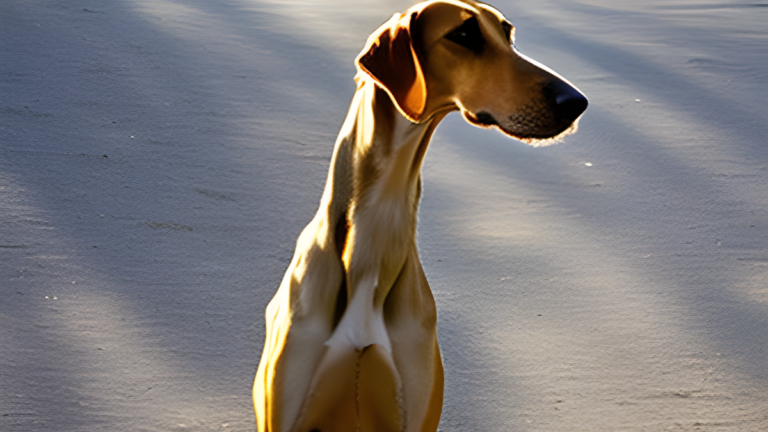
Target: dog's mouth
543, 121
536, 126
482, 119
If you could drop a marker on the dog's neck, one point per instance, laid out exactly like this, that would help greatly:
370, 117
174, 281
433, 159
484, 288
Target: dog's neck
374, 186
378, 154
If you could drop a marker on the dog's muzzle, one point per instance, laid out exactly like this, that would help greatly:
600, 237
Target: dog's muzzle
552, 116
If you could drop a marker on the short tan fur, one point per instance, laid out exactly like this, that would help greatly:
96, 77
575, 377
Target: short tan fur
351, 340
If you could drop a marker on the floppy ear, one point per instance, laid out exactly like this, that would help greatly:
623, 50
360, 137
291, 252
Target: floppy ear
390, 59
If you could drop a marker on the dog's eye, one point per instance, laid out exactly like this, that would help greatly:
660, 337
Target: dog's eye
509, 31
468, 35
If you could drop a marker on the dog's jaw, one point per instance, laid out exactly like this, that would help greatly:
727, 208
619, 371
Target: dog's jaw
521, 128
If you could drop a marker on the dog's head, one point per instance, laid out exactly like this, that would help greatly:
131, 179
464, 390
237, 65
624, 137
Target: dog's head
445, 55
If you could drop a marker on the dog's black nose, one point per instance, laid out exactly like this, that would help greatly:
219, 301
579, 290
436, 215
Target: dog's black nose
566, 102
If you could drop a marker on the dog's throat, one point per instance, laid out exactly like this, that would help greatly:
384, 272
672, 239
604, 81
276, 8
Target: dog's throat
374, 236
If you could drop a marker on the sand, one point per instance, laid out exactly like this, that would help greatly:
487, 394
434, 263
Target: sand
158, 159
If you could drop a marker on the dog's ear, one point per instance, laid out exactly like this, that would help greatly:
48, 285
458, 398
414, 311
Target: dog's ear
389, 57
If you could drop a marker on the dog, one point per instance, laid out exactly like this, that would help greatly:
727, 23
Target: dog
351, 334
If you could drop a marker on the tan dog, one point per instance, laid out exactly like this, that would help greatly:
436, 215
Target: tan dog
351, 341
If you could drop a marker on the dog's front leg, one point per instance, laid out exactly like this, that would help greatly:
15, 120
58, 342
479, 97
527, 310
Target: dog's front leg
299, 319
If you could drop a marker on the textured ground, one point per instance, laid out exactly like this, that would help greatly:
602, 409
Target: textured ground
158, 159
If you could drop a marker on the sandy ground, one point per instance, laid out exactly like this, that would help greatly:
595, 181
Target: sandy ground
158, 159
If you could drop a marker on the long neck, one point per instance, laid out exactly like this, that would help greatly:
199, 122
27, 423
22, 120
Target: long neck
378, 154
388, 151
373, 186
